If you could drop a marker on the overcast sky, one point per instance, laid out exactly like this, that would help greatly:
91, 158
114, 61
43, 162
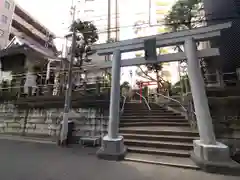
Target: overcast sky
55, 15
51, 13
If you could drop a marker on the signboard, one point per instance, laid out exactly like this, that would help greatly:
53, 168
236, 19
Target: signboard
150, 49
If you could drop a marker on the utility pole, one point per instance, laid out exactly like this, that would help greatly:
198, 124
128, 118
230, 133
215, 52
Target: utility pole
109, 21
116, 23
150, 11
64, 129
107, 57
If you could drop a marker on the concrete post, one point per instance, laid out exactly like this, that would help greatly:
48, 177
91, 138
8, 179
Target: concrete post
219, 78
115, 96
210, 155
187, 89
112, 145
204, 119
30, 83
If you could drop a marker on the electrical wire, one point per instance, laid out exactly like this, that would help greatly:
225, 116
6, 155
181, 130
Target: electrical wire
165, 24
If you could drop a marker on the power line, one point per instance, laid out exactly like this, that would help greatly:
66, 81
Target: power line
169, 24
114, 16
113, 29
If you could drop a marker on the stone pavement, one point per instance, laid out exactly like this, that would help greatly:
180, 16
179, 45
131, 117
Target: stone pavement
27, 161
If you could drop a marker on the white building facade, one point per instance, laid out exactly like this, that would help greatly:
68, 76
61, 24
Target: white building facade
15, 21
23, 23
6, 13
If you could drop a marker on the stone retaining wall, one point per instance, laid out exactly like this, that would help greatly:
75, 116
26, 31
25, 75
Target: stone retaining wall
46, 122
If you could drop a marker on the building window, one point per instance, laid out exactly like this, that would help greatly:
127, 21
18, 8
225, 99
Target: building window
7, 4
4, 19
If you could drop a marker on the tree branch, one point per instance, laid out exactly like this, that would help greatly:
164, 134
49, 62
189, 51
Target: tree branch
146, 74
161, 80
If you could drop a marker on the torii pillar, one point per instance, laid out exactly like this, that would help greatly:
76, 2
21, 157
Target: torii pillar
112, 144
209, 154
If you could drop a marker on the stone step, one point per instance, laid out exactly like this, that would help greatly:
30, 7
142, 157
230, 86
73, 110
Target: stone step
156, 151
134, 124
159, 144
150, 113
180, 162
145, 110
166, 138
152, 117
153, 120
167, 132
134, 107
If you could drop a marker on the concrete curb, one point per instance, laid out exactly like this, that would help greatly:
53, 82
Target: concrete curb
163, 163
26, 139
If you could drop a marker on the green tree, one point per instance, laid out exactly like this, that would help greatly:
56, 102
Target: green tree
86, 35
125, 84
185, 14
146, 70
176, 88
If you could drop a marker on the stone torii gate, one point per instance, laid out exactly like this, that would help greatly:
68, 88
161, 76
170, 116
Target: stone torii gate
207, 151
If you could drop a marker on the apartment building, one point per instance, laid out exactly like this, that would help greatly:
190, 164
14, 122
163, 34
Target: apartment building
21, 28
24, 25
6, 14
15, 21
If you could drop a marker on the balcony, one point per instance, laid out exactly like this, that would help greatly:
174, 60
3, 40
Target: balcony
30, 27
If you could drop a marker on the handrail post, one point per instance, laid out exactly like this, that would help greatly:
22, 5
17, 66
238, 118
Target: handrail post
149, 108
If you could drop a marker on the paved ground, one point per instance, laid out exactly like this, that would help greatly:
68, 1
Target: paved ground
28, 161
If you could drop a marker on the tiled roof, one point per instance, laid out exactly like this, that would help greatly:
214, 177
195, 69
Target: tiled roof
37, 47
33, 45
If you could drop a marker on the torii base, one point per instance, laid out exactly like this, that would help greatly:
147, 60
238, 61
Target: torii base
214, 158
112, 149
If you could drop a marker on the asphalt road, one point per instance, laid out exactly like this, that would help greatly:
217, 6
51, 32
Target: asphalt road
34, 161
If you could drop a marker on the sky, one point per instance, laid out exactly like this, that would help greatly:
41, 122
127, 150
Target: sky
51, 13
55, 15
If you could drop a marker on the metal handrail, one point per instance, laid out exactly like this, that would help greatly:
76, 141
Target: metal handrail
184, 109
93, 88
124, 101
169, 98
146, 102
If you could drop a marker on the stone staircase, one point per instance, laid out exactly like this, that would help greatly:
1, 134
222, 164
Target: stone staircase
159, 136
